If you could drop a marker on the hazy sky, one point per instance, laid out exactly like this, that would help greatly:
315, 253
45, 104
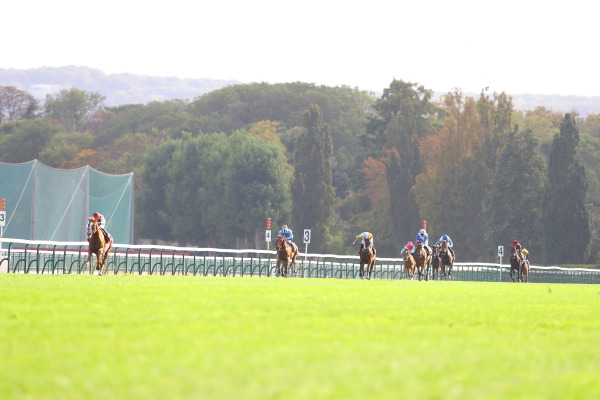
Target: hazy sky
526, 46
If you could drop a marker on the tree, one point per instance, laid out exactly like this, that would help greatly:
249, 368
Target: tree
312, 188
405, 115
513, 205
566, 220
153, 217
72, 108
22, 141
14, 103
257, 186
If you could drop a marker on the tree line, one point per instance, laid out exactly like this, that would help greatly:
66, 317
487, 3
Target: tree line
337, 160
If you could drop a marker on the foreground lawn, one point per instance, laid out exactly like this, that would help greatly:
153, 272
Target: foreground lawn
161, 337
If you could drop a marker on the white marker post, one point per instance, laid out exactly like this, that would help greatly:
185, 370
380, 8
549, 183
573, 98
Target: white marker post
500, 254
2, 218
268, 237
306, 238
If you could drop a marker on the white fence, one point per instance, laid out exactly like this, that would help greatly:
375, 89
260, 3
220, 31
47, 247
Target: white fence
47, 257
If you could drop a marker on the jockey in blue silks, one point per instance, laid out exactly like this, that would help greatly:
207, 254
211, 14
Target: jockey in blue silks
448, 240
423, 237
288, 235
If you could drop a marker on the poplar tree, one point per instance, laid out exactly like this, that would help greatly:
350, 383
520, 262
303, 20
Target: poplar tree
566, 220
513, 204
312, 189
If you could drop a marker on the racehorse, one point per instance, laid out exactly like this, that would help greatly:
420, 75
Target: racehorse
518, 265
367, 257
525, 270
422, 259
409, 264
435, 263
286, 256
98, 246
446, 260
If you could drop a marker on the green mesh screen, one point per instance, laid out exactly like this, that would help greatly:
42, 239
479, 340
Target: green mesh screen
44, 203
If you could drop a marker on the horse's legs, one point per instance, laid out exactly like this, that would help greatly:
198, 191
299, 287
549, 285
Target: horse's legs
362, 270
87, 263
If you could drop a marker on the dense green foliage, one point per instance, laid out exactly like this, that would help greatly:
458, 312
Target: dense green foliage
513, 204
565, 214
210, 170
312, 189
169, 337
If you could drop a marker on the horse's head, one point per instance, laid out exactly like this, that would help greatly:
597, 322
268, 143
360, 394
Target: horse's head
444, 245
418, 245
279, 242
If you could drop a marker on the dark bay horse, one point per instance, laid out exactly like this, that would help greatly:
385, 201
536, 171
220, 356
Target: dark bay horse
518, 265
367, 257
422, 259
286, 256
446, 259
98, 246
435, 263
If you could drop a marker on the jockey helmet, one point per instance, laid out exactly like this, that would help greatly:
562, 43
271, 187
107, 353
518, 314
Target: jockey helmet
284, 227
96, 215
422, 232
365, 235
525, 251
516, 243
410, 245
445, 237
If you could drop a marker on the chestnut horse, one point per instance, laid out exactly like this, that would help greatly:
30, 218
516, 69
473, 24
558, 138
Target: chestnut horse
446, 260
422, 259
286, 256
409, 264
367, 257
98, 246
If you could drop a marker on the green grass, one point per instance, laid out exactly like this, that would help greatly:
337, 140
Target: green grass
161, 337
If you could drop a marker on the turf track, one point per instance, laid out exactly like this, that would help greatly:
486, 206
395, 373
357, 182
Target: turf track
165, 337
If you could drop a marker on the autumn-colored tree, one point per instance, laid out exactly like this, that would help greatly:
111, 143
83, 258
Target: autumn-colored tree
459, 162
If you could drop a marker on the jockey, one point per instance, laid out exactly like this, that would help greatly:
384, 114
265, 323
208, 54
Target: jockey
409, 247
526, 254
447, 239
366, 235
424, 237
101, 223
288, 235
517, 246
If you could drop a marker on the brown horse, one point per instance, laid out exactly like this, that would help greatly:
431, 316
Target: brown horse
422, 259
367, 257
525, 270
409, 264
98, 246
446, 260
286, 256
518, 265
